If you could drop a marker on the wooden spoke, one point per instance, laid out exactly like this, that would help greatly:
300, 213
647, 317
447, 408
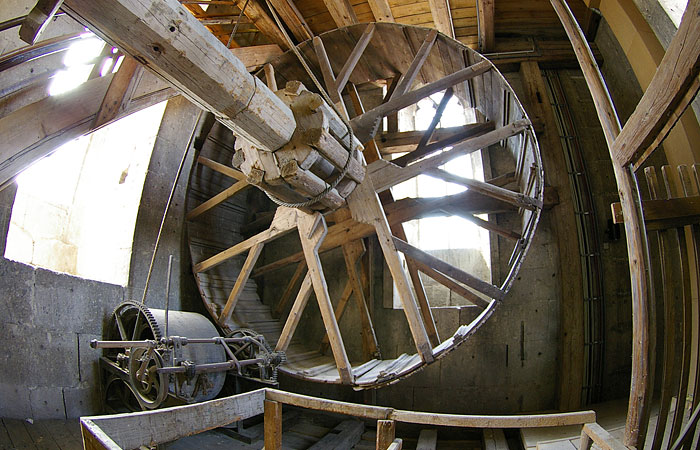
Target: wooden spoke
385, 174
287, 294
406, 141
452, 285
406, 80
447, 269
365, 207
339, 310
352, 252
312, 230
221, 168
354, 58
120, 90
514, 198
485, 224
365, 126
241, 280
294, 317
446, 97
217, 199
398, 212
328, 76
466, 132
283, 222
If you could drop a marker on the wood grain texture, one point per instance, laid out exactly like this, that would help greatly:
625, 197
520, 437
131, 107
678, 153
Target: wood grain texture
273, 425
173, 44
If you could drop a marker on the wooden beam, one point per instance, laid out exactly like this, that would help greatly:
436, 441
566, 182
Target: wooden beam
216, 200
449, 270
294, 316
668, 89
406, 80
339, 311
366, 125
514, 198
427, 440
241, 280
398, 212
119, 92
352, 252
566, 233
354, 57
472, 130
173, 44
486, 25
284, 222
436, 119
442, 17
221, 168
255, 56
38, 18
270, 80
386, 433
36, 130
312, 231
451, 284
385, 174
341, 11
287, 294
381, 10
328, 76
290, 15
406, 141
366, 208
641, 385
257, 14
273, 425
664, 213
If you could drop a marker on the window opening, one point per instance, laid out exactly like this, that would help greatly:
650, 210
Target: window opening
450, 238
75, 210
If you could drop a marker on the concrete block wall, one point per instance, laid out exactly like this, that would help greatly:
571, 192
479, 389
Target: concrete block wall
47, 369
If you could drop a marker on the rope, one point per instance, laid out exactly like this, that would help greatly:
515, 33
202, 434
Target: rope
167, 206
235, 27
352, 152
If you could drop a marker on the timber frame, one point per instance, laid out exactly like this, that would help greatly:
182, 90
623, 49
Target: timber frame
126, 431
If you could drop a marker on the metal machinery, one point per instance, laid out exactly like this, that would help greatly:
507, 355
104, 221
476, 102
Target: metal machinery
155, 354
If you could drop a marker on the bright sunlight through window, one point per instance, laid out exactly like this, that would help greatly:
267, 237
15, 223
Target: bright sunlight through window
450, 238
75, 210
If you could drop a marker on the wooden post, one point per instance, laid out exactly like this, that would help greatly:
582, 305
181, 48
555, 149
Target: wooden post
386, 432
273, 425
641, 383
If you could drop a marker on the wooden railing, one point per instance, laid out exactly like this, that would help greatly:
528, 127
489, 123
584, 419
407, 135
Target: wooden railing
148, 428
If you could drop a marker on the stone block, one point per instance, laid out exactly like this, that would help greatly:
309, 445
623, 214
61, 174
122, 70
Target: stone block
73, 304
84, 400
14, 401
34, 356
47, 403
18, 283
88, 363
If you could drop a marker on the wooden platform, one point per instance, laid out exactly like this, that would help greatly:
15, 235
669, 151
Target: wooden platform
41, 434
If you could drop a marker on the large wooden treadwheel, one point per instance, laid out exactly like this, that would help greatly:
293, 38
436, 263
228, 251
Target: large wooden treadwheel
415, 58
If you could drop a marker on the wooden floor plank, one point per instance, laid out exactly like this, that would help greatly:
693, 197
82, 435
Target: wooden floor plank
5, 441
42, 439
18, 434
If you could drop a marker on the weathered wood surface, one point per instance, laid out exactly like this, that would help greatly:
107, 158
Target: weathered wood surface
486, 25
273, 425
172, 43
37, 20
386, 432
442, 17
427, 440
256, 55
133, 430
